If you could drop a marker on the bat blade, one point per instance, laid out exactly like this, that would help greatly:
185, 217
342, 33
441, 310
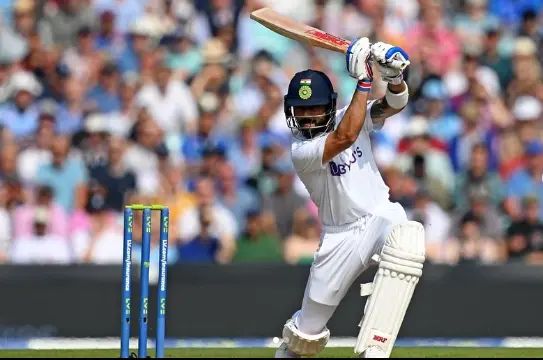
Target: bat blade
298, 31
304, 33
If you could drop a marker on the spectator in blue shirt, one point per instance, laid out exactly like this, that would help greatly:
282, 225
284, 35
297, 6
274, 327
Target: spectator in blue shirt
66, 174
442, 124
20, 114
528, 181
105, 96
205, 246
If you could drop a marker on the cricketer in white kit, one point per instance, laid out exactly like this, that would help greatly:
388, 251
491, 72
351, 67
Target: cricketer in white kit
332, 155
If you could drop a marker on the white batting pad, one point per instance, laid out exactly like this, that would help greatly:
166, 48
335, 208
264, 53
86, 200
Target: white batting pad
304, 344
399, 271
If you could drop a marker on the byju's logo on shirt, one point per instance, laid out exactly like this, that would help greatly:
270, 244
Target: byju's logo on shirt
341, 169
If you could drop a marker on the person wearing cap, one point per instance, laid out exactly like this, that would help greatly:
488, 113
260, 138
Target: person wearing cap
332, 155
257, 244
20, 114
41, 247
442, 123
528, 111
183, 56
528, 180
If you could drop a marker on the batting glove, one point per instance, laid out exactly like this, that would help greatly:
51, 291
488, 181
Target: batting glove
359, 60
391, 61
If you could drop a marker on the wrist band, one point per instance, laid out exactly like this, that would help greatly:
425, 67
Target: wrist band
363, 85
397, 101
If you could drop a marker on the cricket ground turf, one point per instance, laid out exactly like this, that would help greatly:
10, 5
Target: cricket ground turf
425, 352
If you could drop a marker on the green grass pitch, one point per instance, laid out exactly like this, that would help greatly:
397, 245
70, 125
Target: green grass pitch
268, 353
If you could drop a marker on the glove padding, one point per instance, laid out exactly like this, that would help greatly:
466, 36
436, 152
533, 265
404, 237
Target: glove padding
359, 59
391, 61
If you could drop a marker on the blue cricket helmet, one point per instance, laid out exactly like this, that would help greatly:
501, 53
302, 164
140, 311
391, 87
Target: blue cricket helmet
310, 88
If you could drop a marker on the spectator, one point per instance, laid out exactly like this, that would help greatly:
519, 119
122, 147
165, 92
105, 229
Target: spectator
437, 166
66, 174
36, 155
527, 111
123, 119
39, 247
257, 244
84, 61
222, 226
472, 133
92, 141
58, 221
20, 114
108, 39
479, 176
183, 57
73, 109
301, 246
527, 180
491, 225
432, 44
118, 182
246, 154
205, 246
473, 247
141, 156
170, 102
442, 124
470, 26
284, 203
525, 237
236, 197
105, 95
102, 241
437, 223
60, 27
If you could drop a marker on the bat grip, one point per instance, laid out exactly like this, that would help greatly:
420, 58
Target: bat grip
397, 64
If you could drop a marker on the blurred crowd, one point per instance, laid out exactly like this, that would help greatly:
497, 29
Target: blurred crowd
105, 103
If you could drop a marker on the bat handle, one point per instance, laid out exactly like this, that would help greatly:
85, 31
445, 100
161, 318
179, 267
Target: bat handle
397, 64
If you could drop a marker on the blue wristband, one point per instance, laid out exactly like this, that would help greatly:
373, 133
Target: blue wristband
363, 85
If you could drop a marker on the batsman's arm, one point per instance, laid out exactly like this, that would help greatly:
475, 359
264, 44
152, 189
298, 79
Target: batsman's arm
348, 129
393, 102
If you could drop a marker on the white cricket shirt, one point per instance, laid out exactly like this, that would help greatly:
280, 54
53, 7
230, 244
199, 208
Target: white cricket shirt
347, 187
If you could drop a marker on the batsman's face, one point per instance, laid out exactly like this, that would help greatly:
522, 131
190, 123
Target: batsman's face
310, 116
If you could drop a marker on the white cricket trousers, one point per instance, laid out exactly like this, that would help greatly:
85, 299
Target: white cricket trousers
345, 252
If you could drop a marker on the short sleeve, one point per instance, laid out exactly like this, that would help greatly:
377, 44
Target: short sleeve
368, 122
307, 155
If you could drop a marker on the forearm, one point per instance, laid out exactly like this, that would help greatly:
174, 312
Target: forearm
354, 118
382, 108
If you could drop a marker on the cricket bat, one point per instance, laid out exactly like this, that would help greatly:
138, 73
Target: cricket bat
304, 33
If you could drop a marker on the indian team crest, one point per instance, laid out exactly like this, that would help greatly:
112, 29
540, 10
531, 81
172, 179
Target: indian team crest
305, 92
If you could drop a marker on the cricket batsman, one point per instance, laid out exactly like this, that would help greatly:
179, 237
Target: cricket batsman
332, 155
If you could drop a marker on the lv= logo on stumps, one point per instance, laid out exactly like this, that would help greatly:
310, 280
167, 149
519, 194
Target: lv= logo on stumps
144, 280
